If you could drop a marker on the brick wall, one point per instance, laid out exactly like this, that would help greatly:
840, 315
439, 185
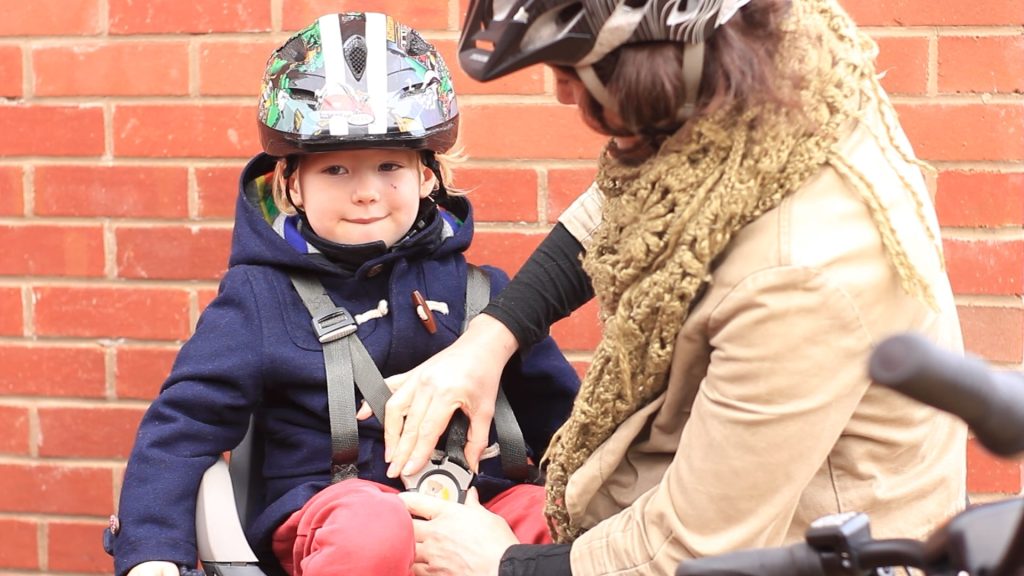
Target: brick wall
123, 126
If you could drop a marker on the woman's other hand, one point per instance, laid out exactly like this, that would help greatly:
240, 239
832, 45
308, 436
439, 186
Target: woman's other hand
457, 539
154, 568
465, 376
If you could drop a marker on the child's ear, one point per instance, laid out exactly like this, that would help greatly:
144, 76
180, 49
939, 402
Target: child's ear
428, 183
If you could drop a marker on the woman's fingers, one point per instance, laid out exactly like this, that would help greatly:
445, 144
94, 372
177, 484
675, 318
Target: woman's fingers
395, 411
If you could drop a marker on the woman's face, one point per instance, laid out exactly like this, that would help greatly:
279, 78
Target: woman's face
360, 196
570, 90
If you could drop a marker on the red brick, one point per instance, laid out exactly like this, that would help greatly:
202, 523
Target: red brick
12, 195
14, 432
112, 191
980, 199
20, 549
102, 312
72, 548
11, 76
527, 81
51, 130
196, 16
549, 131
931, 13
986, 266
172, 253
51, 18
996, 334
581, 331
988, 474
90, 432
46, 250
205, 131
11, 319
233, 68
112, 68
500, 194
963, 132
421, 15
904, 62
506, 250
960, 56
52, 371
218, 190
56, 489
141, 371
564, 186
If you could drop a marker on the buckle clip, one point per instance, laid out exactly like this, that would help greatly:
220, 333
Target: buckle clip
442, 479
334, 325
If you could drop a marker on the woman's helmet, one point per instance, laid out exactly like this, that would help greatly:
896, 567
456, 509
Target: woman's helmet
356, 80
502, 36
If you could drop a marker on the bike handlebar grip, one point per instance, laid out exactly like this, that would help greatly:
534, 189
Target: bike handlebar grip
991, 402
795, 560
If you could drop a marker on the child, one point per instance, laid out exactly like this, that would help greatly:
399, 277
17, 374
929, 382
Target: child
354, 112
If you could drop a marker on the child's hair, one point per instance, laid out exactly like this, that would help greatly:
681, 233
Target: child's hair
282, 179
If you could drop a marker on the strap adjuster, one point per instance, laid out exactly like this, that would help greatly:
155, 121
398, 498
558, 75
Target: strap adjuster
334, 325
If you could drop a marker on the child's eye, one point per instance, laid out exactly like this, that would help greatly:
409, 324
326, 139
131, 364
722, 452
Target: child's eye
335, 170
390, 167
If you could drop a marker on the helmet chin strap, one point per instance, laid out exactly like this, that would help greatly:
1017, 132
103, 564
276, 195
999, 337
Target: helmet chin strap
693, 70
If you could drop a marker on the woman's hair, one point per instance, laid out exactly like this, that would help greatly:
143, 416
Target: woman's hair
739, 68
286, 169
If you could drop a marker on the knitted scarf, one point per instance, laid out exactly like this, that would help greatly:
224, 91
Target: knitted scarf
667, 219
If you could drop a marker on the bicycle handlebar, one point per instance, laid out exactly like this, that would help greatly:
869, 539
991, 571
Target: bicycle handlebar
991, 402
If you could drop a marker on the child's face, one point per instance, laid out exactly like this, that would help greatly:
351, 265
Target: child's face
360, 196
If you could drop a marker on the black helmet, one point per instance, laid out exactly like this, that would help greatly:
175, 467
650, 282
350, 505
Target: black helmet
356, 80
502, 36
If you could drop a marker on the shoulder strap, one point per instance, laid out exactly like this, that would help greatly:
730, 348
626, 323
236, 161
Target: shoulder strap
510, 435
348, 363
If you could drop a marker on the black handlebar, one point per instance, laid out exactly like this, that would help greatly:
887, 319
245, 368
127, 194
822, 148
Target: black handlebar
991, 402
795, 560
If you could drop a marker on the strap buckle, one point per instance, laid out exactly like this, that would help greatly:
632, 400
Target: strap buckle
334, 325
441, 478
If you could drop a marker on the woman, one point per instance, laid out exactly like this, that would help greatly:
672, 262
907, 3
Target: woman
759, 221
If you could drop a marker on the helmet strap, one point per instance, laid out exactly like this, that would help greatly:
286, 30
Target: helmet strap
693, 70
440, 193
596, 88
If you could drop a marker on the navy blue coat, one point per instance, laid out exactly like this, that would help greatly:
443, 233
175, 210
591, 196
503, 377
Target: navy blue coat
254, 353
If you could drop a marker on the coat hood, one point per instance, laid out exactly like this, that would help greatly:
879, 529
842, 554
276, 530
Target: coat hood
262, 236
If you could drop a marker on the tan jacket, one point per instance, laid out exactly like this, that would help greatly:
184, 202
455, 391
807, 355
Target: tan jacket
769, 420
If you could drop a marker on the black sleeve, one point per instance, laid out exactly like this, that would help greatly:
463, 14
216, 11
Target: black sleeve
549, 286
536, 560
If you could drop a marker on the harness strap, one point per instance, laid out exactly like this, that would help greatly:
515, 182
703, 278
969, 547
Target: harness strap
347, 362
332, 325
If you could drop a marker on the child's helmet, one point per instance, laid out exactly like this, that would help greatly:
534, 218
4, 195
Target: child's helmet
502, 36
356, 80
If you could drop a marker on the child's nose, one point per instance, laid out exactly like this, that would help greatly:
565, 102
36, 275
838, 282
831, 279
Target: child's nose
365, 193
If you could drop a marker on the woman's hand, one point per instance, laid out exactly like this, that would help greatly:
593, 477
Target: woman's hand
457, 539
464, 376
154, 568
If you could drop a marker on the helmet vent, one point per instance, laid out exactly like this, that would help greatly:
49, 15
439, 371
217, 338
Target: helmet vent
355, 54
417, 45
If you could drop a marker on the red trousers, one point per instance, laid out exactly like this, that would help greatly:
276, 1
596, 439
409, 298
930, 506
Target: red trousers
361, 527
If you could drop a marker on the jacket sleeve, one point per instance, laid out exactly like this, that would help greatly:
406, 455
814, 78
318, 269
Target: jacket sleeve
539, 382
787, 370
202, 411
